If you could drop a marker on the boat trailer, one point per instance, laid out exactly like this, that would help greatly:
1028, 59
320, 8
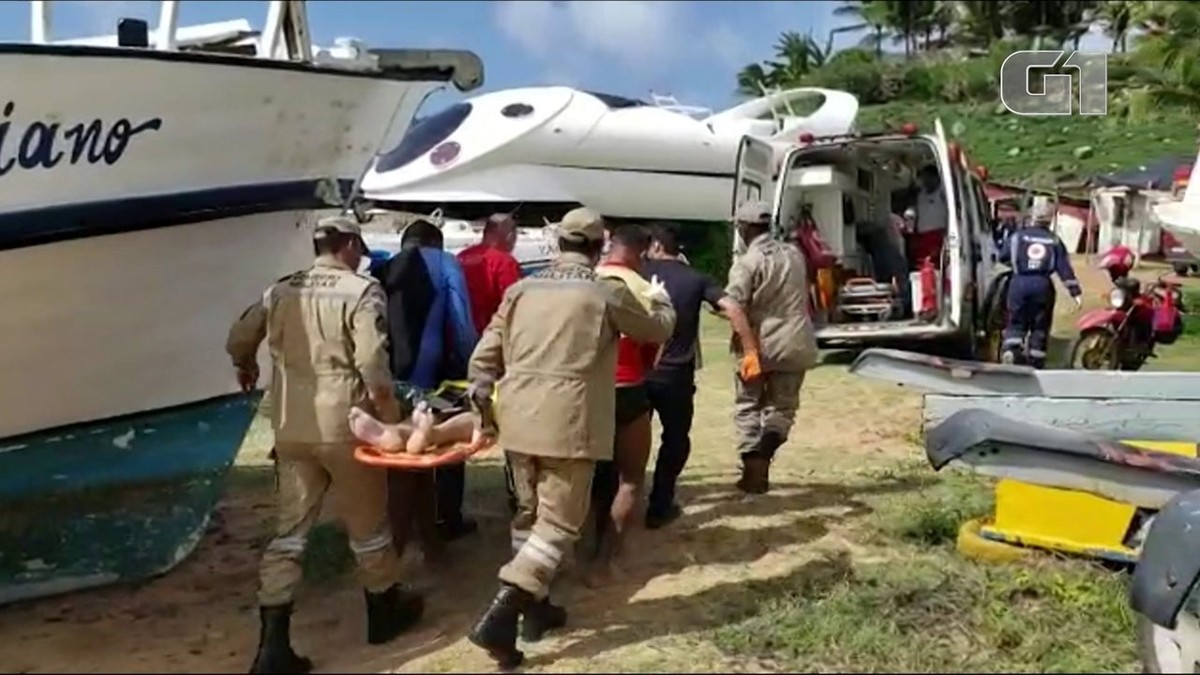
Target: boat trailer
1070, 481
1066, 484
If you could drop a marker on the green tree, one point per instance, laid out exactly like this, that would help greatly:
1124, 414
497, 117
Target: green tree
798, 55
868, 16
980, 23
1168, 61
752, 79
1117, 17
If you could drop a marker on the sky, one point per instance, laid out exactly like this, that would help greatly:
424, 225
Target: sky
691, 50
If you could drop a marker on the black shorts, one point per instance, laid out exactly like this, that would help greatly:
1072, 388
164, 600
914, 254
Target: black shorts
632, 403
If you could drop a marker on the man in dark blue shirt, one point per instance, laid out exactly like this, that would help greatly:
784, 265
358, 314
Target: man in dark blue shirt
671, 385
432, 336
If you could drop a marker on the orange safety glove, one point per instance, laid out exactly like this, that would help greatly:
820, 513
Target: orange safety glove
750, 368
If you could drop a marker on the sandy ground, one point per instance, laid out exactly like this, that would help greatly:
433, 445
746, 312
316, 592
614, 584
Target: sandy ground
725, 555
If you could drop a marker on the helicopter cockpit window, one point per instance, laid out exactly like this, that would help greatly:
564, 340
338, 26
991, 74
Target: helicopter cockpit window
423, 136
617, 102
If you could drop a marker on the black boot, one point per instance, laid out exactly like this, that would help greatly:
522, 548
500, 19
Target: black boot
771, 441
756, 464
275, 653
755, 474
541, 617
392, 612
496, 629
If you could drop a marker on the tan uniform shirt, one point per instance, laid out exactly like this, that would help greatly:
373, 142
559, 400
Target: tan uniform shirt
326, 331
771, 282
552, 349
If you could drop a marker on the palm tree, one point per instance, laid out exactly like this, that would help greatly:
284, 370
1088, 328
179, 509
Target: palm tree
798, 56
1168, 61
753, 79
943, 16
981, 22
1150, 16
867, 15
1118, 18
911, 21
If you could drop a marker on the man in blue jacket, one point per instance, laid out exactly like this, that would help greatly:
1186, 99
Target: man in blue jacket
432, 336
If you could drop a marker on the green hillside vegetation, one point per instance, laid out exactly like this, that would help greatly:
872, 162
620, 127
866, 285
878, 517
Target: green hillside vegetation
950, 65
1045, 150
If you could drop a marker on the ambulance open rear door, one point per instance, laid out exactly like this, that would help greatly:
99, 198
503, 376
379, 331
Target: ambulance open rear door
755, 180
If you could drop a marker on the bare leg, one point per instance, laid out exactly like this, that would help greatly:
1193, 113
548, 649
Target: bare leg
457, 429
635, 441
386, 437
630, 454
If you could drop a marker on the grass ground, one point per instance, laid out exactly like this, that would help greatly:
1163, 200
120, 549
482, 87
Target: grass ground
1040, 150
847, 565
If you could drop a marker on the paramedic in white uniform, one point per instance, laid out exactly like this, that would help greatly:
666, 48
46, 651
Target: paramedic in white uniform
932, 220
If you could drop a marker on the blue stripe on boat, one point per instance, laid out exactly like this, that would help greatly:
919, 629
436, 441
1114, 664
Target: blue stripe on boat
163, 445
117, 500
33, 227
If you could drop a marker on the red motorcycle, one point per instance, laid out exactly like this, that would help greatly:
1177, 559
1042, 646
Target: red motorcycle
1123, 335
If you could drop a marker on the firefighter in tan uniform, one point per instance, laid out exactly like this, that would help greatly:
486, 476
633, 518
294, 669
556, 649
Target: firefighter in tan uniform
770, 281
325, 330
551, 349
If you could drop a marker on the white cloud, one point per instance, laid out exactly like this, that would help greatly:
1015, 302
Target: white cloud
729, 47
527, 23
638, 34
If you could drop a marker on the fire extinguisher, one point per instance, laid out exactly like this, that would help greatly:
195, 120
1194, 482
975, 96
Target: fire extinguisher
927, 278
819, 258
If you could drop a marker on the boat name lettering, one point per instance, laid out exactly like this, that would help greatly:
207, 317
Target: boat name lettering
44, 145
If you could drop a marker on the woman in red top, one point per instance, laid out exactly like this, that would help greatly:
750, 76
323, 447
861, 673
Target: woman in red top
617, 485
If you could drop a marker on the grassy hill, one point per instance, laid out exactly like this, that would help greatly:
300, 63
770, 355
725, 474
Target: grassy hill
1043, 151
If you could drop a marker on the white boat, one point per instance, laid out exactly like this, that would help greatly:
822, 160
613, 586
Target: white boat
1182, 218
152, 184
540, 150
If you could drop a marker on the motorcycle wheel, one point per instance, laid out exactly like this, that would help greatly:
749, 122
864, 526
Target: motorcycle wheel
1162, 650
1095, 349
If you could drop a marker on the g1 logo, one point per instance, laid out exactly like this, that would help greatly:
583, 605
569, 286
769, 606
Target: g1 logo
1055, 97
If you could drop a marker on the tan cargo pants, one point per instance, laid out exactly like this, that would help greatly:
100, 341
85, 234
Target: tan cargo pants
553, 498
305, 474
767, 404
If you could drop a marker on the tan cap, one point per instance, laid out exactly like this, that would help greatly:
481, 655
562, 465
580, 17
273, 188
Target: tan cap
343, 224
755, 212
581, 225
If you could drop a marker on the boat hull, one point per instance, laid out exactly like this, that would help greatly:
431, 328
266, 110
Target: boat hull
149, 198
122, 500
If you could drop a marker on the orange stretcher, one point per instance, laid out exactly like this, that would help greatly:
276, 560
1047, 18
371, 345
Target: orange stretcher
446, 455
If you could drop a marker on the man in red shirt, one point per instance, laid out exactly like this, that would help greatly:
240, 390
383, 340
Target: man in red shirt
490, 267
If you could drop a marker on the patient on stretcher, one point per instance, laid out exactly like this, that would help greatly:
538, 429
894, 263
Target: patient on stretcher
421, 434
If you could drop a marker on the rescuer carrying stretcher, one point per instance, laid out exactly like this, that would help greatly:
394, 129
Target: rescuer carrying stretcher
324, 327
